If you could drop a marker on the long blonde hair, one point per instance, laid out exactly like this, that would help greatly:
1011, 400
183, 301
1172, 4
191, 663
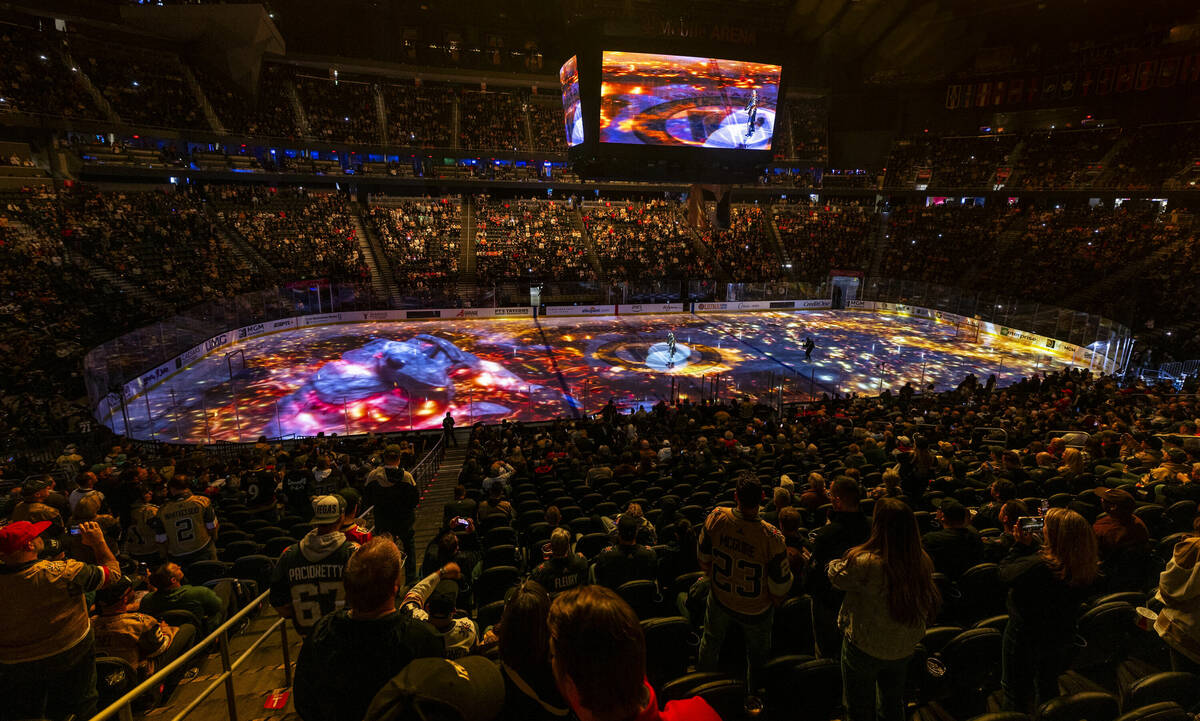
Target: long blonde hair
913, 597
1070, 548
1072, 460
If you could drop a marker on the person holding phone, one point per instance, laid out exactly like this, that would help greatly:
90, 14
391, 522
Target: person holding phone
1047, 582
47, 646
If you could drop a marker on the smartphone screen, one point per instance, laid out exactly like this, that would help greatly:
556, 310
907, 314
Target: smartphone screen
1031, 524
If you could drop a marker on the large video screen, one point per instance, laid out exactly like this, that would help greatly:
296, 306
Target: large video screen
568, 75
676, 100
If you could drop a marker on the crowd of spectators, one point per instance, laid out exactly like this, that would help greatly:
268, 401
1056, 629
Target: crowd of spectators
744, 249
34, 78
950, 243
422, 240
547, 126
528, 240
643, 241
849, 542
51, 314
419, 115
820, 238
267, 113
491, 121
1063, 159
305, 235
162, 242
144, 86
339, 111
953, 162
1066, 248
1152, 157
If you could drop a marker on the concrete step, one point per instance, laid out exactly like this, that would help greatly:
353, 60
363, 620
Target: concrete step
439, 493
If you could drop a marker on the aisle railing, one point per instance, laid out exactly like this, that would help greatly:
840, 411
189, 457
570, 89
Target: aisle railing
121, 708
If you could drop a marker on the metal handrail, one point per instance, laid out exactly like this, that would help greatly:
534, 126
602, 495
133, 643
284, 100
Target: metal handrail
1050, 435
990, 428
426, 469
220, 636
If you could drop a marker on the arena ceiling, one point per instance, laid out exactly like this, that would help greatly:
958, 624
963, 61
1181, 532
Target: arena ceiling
829, 42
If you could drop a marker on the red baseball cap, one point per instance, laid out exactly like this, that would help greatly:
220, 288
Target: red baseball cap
14, 536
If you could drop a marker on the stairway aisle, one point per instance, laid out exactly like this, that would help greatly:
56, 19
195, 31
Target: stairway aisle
440, 492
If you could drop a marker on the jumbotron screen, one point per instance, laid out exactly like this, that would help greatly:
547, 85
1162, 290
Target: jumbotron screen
568, 75
676, 100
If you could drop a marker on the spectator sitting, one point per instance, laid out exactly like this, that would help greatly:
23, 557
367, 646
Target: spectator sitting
997, 548
352, 652
171, 593
498, 475
495, 503
781, 498
140, 639
646, 534
628, 560
1002, 491
564, 570
957, 546
433, 599
1118, 529
816, 495
460, 507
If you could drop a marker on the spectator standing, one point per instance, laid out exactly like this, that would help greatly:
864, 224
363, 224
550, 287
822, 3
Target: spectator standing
47, 647
1178, 622
746, 560
185, 527
353, 652
847, 527
86, 483
448, 431
350, 526
598, 655
890, 596
1047, 583
524, 638
139, 534
33, 507
306, 583
393, 492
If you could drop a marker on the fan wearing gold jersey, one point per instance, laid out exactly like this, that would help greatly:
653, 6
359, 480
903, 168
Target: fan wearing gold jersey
185, 527
746, 561
138, 539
